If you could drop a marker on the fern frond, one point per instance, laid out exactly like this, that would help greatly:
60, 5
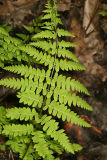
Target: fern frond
68, 83
9, 51
49, 123
31, 131
64, 44
45, 34
6, 27
21, 139
42, 44
29, 28
62, 32
17, 130
65, 97
61, 81
17, 147
47, 16
3, 31
50, 127
76, 85
23, 36
79, 102
61, 137
68, 65
41, 146
61, 52
15, 83
13, 40
68, 54
3, 119
61, 111
20, 113
54, 145
29, 50
30, 98
2, 115
48, 26
48, 60
47, 10
26, 71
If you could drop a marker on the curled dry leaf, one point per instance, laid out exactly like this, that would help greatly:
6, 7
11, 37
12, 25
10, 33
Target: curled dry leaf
90, 10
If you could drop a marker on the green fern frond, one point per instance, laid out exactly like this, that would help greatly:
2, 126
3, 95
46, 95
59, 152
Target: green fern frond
41, 146
47, 95
2, 115
49, 123
65, 97
79, 102
48, 26
68, 83
3, 31
47, 10
6, 27
45, 34
54, 145
15, 83
61, 52
62, 81
76, 85
17, 147
47, 16
42, 44
29, 28
23, 36
61, 111
64, 44
68, 65
21, 149
66, 53
50, 127
20, 113
61, 137
9, 51
62, 32
12, 40
29, 50
26, 71
3, 119
48, 60
21, 139
2, 147
17, 130
30, 98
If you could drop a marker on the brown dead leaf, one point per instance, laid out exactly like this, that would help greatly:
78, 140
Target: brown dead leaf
90, 11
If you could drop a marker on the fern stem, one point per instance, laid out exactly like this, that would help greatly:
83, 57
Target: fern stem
53, 68
28, 145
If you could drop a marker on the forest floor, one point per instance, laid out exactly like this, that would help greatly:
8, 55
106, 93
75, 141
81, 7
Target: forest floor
82, 19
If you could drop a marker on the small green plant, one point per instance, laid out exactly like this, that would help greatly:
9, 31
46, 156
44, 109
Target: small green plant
45, 94
103, 13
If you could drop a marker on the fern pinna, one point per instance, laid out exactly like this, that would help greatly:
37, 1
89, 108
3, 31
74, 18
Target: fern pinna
33, 128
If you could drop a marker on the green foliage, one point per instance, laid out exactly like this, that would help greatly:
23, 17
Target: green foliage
45, 95
104, 13
9, 48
